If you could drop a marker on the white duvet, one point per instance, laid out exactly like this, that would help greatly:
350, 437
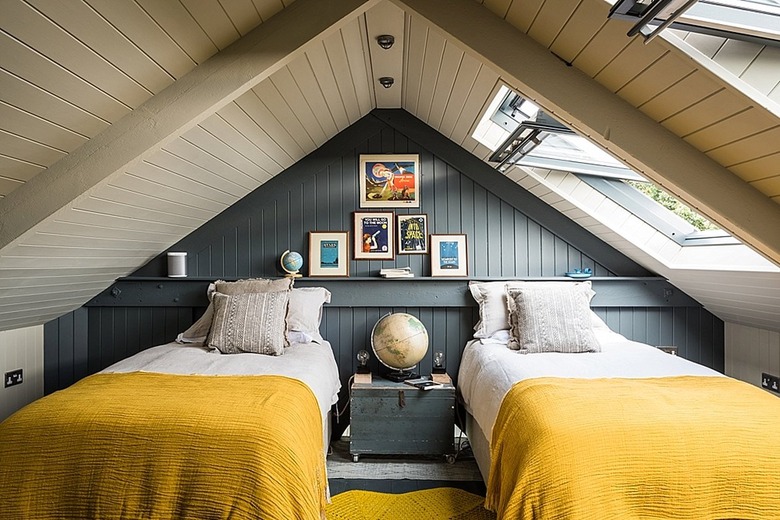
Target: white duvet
488, 371
310, 363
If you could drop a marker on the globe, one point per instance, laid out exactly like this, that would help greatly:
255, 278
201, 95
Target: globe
291, 262
399, 341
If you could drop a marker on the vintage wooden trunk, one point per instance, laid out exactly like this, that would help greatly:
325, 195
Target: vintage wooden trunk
389, 418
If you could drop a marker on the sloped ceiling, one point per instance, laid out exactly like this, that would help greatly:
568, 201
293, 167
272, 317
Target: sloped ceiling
126, 125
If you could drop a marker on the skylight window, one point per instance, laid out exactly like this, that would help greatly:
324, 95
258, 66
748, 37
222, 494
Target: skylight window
751, 20
521, 134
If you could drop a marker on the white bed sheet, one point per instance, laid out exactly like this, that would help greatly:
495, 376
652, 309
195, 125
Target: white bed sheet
488, 371
310, 363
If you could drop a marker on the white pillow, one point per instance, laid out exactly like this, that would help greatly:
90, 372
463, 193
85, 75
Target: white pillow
304, 314
199, 331
491, 297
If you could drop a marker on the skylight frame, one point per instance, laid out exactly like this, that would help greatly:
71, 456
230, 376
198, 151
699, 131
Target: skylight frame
606, 175
757, 21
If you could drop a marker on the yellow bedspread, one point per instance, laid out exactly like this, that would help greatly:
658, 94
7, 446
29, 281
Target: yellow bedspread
678, 448
157, 446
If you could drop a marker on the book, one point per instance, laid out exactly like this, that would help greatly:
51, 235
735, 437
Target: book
396, 272
423, 383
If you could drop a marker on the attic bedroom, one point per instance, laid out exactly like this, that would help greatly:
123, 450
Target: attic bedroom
520, 137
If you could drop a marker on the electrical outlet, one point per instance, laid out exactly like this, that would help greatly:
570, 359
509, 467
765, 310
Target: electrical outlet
770, 382
14, 377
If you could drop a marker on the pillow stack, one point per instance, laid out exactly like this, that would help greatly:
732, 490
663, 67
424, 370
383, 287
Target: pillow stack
537, 316
258, 316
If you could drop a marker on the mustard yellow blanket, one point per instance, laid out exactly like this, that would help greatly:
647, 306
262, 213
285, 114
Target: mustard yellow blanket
157, 446
683, 448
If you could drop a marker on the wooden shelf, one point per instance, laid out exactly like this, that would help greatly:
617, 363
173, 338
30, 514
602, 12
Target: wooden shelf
382, 292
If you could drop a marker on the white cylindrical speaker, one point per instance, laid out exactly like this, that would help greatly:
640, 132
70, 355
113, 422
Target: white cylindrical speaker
177, 264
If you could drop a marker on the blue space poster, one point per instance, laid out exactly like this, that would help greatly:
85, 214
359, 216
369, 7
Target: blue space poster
329, 254
448, 254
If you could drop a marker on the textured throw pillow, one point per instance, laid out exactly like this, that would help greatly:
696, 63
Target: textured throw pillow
198, 331
249, 322
304, 314
253, 285
551, 319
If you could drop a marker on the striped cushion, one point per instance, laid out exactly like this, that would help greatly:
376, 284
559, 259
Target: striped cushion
551, 319
250, 322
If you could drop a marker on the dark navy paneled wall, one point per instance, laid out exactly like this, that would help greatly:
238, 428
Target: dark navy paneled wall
511, 234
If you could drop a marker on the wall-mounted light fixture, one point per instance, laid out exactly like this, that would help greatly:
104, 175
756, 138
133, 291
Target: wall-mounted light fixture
386, 81
385, 40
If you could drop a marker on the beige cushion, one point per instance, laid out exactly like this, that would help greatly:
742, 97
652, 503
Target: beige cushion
304, 314
253, 285
249, 322
551, 319
198, 331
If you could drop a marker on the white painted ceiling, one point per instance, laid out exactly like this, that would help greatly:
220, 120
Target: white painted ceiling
126, 125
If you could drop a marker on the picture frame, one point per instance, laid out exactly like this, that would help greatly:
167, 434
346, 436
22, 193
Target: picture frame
449, 255
328, 253
390, 181
412, 233
373, 235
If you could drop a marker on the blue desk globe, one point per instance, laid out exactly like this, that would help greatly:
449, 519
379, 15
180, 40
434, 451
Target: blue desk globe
291, 262
400, 341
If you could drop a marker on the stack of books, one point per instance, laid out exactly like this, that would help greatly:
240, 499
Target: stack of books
397, 272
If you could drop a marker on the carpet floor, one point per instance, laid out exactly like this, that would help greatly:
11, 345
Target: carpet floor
432, 504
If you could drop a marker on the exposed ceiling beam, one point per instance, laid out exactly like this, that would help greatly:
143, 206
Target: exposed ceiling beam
191, 99
575, 98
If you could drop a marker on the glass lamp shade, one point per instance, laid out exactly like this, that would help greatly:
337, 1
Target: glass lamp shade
438, 362
362, 357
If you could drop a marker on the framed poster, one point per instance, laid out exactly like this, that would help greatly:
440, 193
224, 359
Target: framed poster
328, 253
449, 256
412, 234
390, 181
373, 235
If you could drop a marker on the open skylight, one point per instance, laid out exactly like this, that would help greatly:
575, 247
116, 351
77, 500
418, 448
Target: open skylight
751, 20
521, 134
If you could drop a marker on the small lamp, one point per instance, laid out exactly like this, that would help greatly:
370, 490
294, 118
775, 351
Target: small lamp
362, 357
438, 362
386, 81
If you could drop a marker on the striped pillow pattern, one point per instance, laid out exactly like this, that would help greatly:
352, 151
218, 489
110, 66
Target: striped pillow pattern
250, 322
551, 319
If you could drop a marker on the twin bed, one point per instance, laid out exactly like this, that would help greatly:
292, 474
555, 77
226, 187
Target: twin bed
567, 420
611, 429
184, 430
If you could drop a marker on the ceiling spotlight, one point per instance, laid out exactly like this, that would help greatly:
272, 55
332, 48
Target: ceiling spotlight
385, 41
386, 81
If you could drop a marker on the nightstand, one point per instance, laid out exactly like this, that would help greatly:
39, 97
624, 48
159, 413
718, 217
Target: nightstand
389, 418
669, 349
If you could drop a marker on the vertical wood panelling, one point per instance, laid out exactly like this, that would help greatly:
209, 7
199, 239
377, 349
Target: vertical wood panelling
320, 193
751, 351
